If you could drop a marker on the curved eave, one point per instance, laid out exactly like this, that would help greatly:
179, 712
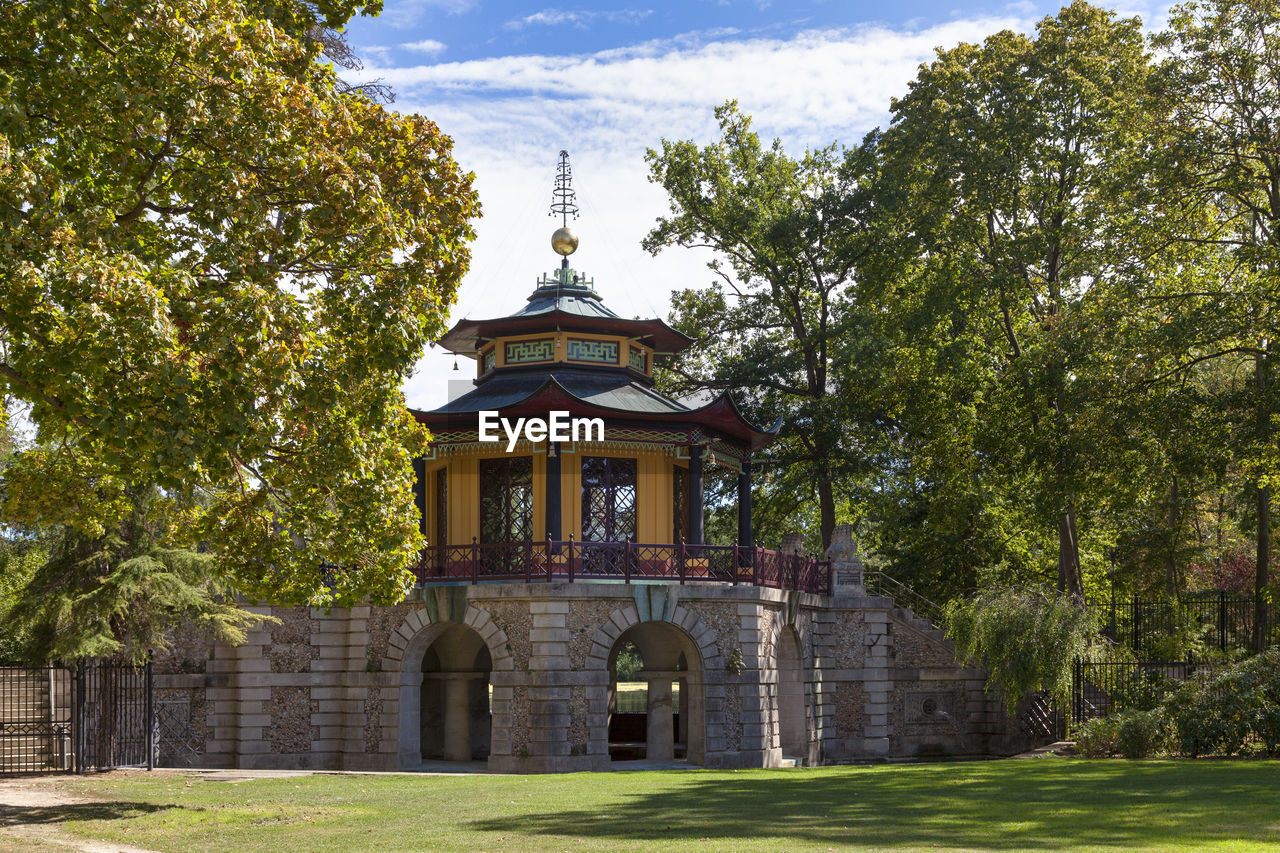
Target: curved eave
467, 336
721, 415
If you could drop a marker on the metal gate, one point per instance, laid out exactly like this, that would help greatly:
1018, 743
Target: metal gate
91, 716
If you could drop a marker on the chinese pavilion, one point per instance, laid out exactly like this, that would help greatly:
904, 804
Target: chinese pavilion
562, 508
547, 559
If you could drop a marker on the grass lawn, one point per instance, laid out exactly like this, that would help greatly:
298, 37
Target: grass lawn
1050, 804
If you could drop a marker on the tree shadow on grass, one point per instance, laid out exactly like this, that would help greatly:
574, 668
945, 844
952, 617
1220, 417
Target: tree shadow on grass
34, 815
1048, 805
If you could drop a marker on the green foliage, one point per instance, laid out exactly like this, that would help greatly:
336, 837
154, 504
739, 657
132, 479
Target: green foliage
217, 266
1132, 733
1027, 638
114, 596
1098, 738
1010, 169
1141, 734
20, 557
1229, 710
1026, 330
786, 234
628, 663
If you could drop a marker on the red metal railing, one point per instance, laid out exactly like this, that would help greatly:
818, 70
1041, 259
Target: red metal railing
567, 560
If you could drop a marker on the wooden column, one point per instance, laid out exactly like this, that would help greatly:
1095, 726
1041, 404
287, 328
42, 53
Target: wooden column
695, 495
745, 539
552, 492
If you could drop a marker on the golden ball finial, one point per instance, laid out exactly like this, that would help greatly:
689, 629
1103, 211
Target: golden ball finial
564, 241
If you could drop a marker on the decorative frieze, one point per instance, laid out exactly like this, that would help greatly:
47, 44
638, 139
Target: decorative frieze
597, 352
526, 352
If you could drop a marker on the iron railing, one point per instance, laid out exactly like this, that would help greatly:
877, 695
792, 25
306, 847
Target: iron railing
568, 560
1099, 689
880, 584
94, 715
35, 719
1223, 619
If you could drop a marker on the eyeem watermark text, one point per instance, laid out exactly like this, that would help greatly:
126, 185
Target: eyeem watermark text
556, 426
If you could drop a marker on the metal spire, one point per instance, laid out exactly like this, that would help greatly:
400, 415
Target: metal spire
564, 201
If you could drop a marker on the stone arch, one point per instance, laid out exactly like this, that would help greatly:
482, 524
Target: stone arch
792, 725
626, 616
795, 701
405, 653
677, 648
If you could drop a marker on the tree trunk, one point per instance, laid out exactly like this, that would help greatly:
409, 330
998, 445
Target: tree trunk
826, 504
1263, 496
1069, 580
1261, 575
1171, 559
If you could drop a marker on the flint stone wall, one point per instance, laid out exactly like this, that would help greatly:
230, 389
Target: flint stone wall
339, 689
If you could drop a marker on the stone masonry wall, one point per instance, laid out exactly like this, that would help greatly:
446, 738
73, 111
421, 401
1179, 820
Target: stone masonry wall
340, 689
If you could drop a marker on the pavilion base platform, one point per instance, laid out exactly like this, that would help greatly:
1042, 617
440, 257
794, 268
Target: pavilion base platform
520, 678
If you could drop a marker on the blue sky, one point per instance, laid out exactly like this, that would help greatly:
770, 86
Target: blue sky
460, 30
515, 82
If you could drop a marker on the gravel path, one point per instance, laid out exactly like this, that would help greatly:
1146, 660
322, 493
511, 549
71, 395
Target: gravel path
30, 813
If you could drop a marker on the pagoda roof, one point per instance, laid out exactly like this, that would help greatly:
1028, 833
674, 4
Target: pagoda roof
563, 301
590, 394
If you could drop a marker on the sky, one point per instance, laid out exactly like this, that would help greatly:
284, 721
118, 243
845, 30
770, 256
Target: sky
513, 83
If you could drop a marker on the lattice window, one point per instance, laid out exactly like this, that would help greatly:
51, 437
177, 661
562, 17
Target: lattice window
608, 499
442, 507
636, 359
522, 352
506, 499
488, 360
601, 352
680, 504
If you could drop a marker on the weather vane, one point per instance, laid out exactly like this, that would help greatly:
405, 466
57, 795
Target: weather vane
564, 202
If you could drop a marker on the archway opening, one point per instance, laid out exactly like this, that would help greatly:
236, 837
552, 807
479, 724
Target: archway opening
655, 696
792, 732
456, 717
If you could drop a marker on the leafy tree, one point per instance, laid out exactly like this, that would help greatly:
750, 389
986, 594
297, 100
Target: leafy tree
1010, 164
1027, 637
1219, 79
116, 594
217, 266
786, 235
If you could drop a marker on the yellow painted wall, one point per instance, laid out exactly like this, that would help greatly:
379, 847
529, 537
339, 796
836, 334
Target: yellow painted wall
653, 494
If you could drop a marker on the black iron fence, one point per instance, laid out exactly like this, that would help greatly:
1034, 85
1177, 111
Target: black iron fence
1216, 619
1103, 688
35, 719
94, 715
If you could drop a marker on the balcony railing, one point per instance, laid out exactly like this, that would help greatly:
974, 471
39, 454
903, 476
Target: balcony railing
550, 560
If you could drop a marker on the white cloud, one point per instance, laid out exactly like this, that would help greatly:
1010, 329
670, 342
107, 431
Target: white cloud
510, 116
428, 46
580, 18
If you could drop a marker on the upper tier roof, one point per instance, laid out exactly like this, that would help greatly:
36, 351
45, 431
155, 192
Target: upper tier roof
584, 393
563, 301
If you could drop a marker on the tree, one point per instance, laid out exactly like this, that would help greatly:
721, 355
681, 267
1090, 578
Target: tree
217, 266
787, 235
1010, 163
1028, 638
1220, 80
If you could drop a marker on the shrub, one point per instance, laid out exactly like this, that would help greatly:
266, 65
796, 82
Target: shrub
1141, 734
1222, 712
1097, 738
1260, 676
